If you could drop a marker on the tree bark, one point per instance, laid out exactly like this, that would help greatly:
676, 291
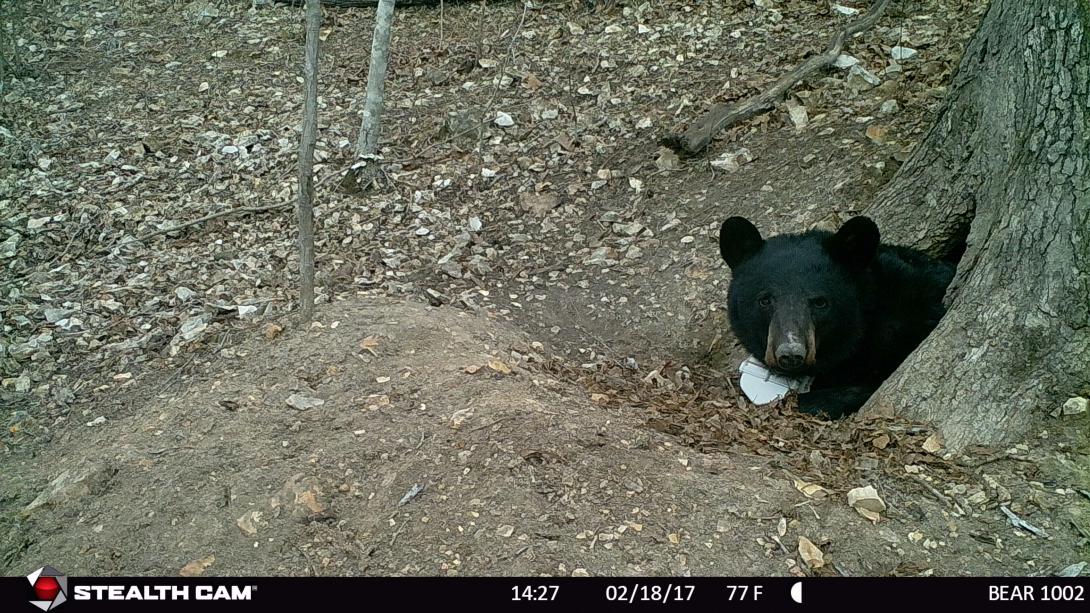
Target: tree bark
305, 209
1003, 173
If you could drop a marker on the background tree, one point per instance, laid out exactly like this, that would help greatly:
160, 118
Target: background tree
1004, 173
305, 208
371, 125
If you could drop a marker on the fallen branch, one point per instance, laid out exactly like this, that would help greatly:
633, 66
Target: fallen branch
693, 140
236, 211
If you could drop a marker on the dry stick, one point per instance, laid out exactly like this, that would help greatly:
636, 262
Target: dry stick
722, 116
305, 210
235, 211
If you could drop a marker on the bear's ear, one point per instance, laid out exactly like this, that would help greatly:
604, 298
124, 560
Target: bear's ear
855, 244
739, 240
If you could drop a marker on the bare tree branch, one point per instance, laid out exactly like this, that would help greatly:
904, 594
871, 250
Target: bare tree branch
693, 140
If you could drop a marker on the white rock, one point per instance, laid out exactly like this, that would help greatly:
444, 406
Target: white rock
37, 222
300, 402
731, 162
55, 315
1075, 405
845, 10
504, 120
889, 107
628, 229
192, 328
845, 61
798, 114
859, 76
900, 53
474, 224
8, 247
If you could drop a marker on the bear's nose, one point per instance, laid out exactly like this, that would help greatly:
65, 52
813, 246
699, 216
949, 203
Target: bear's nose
790, 356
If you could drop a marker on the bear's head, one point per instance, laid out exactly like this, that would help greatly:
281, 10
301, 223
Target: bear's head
797, 301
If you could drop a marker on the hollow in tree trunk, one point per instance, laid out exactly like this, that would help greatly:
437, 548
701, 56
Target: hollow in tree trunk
1004, 173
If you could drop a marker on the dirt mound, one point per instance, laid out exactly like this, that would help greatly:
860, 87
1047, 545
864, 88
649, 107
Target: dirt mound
395, 438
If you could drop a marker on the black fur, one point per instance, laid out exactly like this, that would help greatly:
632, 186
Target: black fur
856, 306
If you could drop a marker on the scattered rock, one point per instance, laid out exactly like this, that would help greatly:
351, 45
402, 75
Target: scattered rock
845, 61
667, 159
607, 256
184, 293
903, 53
797, 113
860, 78
72, 485
732, 161
1074, 406
249, 522
889, 107
866, 501
302, 403
1072, 571
628, 229
538, 204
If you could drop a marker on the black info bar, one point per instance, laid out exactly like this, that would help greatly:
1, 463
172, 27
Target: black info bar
884, 595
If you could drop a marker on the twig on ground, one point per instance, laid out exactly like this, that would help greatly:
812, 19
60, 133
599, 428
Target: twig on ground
235, 211
693, 140
942, 497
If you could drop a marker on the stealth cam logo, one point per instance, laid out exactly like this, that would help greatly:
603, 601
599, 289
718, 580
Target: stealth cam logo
50, 586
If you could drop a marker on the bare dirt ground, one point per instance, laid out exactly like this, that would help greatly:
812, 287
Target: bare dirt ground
566, 409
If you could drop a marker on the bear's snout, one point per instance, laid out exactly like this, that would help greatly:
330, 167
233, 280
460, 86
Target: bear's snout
790, 355
791, 345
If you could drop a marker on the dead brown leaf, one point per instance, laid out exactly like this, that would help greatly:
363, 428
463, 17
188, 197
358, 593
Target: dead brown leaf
810, 553
196, 567
499, 367
369, 344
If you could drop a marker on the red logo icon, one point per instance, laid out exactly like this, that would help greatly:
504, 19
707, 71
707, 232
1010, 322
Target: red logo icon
50, 586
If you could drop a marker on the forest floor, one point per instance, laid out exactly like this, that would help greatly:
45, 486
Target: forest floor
520, 364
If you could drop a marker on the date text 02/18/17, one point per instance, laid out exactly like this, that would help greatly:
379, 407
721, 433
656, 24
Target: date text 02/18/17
649, 593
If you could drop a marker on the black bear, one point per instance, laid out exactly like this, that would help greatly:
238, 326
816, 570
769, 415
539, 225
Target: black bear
839, 307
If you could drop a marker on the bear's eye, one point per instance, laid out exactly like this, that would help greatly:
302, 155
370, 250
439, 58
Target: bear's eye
765, 301
819, 303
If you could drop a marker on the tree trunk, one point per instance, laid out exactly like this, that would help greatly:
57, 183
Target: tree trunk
305, 209
1004, 173
376, 80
